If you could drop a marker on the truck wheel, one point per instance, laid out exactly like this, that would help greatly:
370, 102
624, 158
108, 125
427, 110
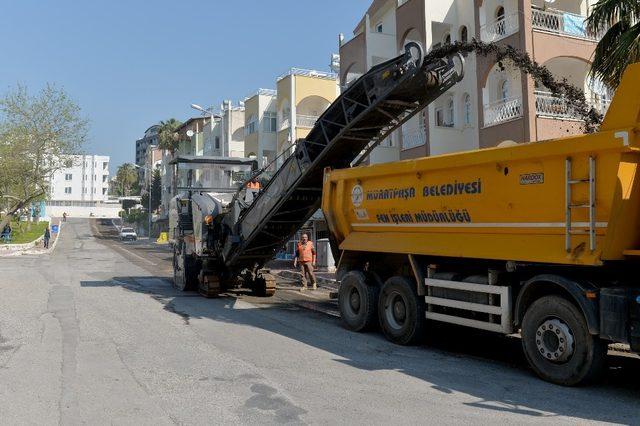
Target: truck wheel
357, 300
401, 311
558, 345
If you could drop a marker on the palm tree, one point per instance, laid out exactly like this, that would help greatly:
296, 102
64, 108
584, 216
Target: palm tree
126, 176
167, 134
620, 45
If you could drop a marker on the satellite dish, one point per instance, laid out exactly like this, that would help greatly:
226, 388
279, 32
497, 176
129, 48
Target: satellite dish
190, 133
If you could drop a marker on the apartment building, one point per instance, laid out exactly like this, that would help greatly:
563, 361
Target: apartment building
494, 103
260, 126
81, 188
232, 122
150, 138
302, 95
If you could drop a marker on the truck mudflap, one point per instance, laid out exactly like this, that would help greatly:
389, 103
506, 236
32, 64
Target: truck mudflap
620, 316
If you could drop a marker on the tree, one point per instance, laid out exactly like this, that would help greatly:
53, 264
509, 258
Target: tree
37, 135
126, 178
167, 138
619, 20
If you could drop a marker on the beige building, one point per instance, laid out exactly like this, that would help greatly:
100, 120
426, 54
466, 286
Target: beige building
260, 126
491, 104
302, 95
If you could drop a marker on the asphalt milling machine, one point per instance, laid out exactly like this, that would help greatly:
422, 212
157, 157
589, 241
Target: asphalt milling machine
223, 232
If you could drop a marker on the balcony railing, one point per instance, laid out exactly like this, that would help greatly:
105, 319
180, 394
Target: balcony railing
413, 138
559, 22
502, 111
499, 29
552, 106
285, 123
306, 120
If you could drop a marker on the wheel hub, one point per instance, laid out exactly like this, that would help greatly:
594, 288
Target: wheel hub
554, 340
354, 300
396, 311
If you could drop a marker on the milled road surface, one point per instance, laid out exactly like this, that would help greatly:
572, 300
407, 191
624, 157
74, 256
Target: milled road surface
92, 334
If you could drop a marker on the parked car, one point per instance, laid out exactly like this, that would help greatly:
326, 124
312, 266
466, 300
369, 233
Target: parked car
128, 234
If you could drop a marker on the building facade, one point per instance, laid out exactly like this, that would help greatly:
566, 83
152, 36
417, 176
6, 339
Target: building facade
495, 102
302, 95
260, 126
150, 138
82, 188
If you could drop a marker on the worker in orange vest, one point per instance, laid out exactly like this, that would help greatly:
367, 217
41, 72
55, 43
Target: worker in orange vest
253, 184
306, 257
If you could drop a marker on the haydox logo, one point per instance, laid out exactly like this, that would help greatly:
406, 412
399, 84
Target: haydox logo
357, 194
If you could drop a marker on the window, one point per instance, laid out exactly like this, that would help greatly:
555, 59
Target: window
379, 28
439, 117
269, 122
67, 190
466, 109
463, 34
447, 38
104, 191
68, 176
217, 143
84, 190
500, 29
450, 113
504, 90
94, 190
250, 128
94, 177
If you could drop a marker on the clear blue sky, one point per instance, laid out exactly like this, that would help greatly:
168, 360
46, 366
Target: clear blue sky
132, 63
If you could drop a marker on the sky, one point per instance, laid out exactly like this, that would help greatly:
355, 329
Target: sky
129, 64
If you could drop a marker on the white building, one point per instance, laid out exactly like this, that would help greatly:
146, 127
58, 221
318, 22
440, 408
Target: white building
82, 188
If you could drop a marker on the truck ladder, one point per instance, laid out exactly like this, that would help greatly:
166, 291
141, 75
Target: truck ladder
570, 205
363, 115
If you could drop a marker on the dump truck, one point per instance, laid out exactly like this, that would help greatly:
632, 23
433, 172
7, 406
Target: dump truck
223, 232
540, 239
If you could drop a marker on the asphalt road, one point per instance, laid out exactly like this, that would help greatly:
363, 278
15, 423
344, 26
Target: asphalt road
94, 333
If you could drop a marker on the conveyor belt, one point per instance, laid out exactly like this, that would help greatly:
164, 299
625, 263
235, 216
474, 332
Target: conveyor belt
360, 118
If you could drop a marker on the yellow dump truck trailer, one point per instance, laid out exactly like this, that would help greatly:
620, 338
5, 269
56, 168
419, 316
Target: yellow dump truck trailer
541, 238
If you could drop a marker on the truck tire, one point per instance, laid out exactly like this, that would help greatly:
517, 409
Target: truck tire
558, 345
357, 300
401, 311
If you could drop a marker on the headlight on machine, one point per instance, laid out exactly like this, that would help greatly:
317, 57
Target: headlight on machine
208, 219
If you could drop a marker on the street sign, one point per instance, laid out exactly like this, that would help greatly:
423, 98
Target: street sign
54, 229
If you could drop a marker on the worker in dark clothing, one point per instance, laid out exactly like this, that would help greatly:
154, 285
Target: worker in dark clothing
47, 237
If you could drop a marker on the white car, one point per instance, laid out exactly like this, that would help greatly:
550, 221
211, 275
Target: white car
128, 234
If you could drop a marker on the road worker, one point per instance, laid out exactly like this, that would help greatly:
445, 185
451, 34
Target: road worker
306, 257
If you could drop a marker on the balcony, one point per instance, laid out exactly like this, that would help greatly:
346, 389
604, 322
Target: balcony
307, 121
502, 111
413, 138
559, 22
499, 29
285, 123
556, 107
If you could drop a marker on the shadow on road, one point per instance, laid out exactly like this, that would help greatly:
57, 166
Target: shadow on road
500, 380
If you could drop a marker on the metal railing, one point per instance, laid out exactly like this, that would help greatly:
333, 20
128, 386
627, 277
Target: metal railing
306, 120
261, 92
500, 28
553, 106
413, 138
308, 73
502, 111
559, 22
